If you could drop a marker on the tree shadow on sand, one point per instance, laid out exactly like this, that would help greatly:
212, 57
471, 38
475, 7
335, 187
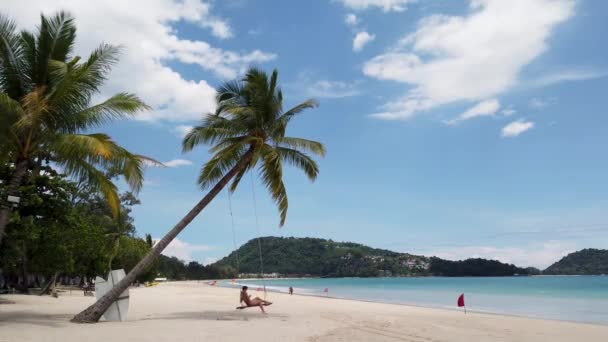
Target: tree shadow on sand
214, 316
33, 318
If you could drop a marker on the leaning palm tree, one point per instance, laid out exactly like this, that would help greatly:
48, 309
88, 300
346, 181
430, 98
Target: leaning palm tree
45, 106
247, 131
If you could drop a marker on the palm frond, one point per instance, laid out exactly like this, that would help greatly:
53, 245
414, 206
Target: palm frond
221, 162
100, 151
271, 172
35, 108
74, 83
11, 113
282, 121
306, 145
116, 107
55, 42
95, 179
228, 94
212, 130
11, 67
29, 59
299, 160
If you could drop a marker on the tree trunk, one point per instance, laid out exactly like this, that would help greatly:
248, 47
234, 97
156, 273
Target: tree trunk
50, 285
26, 284
94, 312
12, 189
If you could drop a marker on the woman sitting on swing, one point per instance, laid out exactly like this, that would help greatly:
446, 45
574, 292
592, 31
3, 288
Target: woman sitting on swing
257, 301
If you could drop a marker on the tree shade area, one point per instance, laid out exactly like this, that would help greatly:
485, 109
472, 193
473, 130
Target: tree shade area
66, 228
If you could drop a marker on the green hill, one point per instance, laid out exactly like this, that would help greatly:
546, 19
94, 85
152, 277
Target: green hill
327, 258
587, 261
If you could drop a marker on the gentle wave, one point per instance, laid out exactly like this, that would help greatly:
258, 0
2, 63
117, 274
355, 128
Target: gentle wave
582, 299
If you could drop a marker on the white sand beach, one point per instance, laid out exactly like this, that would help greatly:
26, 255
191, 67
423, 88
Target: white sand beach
191, 311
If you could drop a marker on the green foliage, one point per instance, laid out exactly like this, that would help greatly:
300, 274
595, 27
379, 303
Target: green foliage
67, 227
250, 123
588, 261
325, 258
175, 269
45, 101
474, 268
132, 250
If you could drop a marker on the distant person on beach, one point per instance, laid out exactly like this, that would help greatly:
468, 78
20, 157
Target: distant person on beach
290, 290
257, 301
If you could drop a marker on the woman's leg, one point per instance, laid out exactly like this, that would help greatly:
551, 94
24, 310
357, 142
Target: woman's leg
262, 301
258, 302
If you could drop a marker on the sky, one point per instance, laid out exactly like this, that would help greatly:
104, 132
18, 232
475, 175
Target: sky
455, 128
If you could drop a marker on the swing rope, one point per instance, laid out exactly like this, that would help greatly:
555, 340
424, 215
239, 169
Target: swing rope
257, 225
238, 267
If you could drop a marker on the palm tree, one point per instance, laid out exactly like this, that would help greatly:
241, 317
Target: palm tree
45, 96
247, 131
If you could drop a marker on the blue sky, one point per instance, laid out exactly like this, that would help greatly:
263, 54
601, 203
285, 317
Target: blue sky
453, 128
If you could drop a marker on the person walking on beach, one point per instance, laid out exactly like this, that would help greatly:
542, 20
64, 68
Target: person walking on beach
257, 301
290, 290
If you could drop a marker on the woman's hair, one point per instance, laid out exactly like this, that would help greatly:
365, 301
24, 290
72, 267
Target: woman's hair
244, 288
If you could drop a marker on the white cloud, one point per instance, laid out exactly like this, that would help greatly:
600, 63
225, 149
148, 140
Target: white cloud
404, 108
508, 111
177, 163
182, 130
183, 250
146, 30
254, 32
484, 108
516, 128
539, 255
568, 75
312, 85
170, 163
538, 103
333, 89
351, 20
361, 39
220, 28
385, 5
472, 57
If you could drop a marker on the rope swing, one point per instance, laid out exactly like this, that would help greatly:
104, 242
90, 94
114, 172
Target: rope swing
236, 250
257, 225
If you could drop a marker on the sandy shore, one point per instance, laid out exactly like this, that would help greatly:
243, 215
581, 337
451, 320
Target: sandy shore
190, 311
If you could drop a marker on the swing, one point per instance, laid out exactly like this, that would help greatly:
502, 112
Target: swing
241, 307
251, 306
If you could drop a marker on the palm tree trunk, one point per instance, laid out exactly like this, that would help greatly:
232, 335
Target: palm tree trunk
11, 189
95, 311
50, 285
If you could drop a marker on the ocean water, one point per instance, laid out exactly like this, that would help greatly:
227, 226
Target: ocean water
572, 298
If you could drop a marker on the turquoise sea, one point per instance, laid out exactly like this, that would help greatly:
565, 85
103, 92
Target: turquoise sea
572, 298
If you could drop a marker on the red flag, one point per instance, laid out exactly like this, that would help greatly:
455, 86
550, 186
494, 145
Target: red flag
326, 290
461, 300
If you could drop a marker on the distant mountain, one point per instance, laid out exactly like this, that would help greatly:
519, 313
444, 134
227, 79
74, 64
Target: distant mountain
327, 258
474, 268
587, 261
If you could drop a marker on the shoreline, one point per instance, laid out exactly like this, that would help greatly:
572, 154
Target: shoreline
187, 311
274, 288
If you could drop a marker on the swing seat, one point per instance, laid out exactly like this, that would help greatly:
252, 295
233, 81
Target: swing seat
251, 306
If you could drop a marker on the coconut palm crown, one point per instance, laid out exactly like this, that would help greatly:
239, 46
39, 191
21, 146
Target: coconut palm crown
250, 123
46, 112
